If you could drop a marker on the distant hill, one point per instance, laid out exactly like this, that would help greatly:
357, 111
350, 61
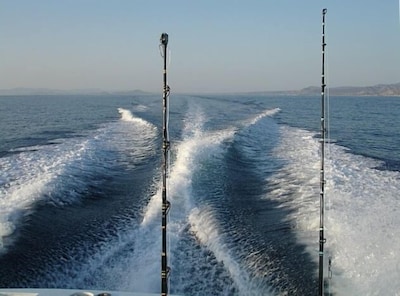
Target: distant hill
376, 90
46, 91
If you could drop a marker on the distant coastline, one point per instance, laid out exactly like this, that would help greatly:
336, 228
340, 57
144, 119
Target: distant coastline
375, 90
48, 92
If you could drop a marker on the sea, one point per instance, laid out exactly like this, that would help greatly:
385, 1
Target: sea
80, 193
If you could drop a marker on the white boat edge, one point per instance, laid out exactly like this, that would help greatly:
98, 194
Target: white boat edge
67, 292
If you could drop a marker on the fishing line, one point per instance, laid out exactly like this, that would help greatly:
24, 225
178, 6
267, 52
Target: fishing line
160, 48
169, 57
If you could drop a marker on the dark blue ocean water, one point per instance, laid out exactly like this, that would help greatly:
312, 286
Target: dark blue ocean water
80, 194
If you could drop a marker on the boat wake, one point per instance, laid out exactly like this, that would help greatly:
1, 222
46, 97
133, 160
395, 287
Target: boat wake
70, 170
356, 196
211, 267
244, 215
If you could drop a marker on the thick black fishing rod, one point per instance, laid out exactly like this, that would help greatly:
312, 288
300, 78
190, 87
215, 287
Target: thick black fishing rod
165, 147
322, 239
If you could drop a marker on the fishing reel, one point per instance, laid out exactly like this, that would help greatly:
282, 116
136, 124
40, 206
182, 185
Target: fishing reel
164, 39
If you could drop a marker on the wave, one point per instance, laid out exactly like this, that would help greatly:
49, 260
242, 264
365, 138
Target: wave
205, 226
361, 215
69, 171
268, 112
126, 115
140, 108
27, 178
129, 261
197, 148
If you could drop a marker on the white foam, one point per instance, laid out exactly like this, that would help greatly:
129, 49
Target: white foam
205, 227
126, 115
55, 172
26, 177
265, 113
138, 269
141, 108
196, 147
362, 212
30, 148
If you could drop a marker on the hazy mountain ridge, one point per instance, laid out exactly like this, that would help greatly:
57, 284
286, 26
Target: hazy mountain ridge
375, 90
47, 91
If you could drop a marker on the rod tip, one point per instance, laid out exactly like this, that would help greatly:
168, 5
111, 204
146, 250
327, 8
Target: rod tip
324, 11
164, 39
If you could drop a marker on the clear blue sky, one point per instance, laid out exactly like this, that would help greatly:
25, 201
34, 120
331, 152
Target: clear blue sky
216, 45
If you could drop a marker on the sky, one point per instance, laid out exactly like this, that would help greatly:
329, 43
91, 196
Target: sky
214, 45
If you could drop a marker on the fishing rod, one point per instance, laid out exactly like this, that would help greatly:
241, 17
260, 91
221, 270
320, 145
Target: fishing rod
322, 239
165, 147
